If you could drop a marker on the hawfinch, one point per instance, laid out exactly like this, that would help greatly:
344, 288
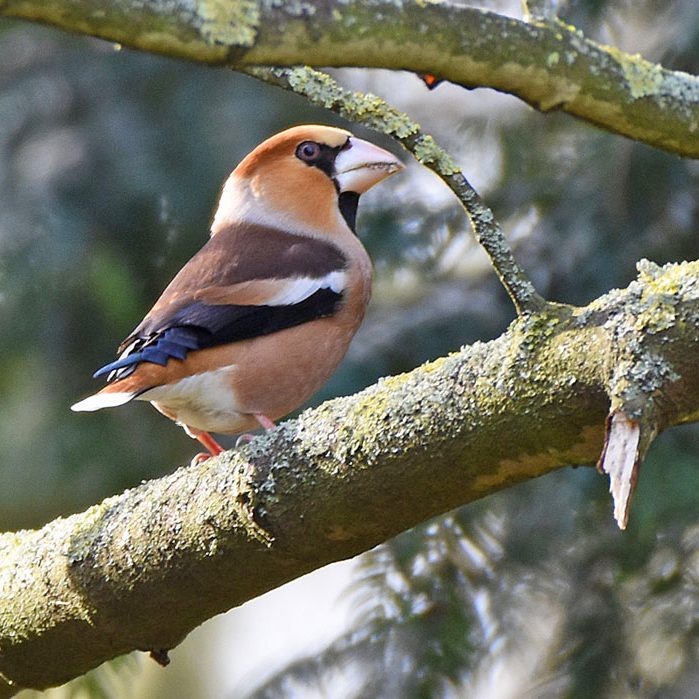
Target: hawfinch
257, 321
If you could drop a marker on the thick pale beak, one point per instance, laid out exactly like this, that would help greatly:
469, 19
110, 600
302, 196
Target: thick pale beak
360, 166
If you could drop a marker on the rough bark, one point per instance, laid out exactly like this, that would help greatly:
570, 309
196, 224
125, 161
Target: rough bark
548, 64
142, 569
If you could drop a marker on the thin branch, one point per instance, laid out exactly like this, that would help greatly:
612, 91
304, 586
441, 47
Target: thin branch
320, 89
142, 569
549, 65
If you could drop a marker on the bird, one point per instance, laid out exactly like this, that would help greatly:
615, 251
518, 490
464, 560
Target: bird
260, 317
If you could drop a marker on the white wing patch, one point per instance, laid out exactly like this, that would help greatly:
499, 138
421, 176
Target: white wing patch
301, 288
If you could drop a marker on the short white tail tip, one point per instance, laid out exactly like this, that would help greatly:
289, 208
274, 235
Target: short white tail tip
101, 400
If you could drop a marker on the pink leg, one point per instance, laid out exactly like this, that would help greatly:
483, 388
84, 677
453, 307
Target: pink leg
264, 421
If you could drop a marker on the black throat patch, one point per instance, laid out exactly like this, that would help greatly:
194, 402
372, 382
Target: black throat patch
348, 203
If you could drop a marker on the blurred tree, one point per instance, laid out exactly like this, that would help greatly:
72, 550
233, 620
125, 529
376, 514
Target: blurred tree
110, 167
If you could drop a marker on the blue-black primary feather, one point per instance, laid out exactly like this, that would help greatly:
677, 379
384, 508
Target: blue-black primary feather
199, 325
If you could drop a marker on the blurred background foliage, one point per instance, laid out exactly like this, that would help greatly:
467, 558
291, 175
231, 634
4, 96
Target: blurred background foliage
110, 164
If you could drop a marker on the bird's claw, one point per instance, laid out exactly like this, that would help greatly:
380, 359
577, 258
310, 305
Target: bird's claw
244, 439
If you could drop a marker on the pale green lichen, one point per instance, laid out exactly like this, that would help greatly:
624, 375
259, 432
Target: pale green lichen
552, 59
317, 87
652, 309
571, 29
643, 77
660, 312
368, 109
231, 23
427, 151
538, 327
672, 278
636, 380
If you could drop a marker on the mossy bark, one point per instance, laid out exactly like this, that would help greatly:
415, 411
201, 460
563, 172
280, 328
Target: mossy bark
550, 65
142, 569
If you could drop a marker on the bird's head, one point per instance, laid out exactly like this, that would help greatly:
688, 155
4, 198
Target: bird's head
307, 177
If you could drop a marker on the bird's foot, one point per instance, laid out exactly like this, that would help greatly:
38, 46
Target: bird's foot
211, 444
199, 458
264, 422
244, 439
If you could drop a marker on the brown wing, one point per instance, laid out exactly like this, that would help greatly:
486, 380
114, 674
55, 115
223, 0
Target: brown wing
246, 281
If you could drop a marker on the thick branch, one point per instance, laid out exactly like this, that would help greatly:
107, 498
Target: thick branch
548, 65
142, 569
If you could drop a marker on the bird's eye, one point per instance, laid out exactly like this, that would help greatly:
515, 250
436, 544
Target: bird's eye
308, 151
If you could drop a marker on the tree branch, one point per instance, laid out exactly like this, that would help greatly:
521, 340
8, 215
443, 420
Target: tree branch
320, 89
142, 569
549, 65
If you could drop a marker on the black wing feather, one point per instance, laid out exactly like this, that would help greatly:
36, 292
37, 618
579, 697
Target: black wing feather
199, 325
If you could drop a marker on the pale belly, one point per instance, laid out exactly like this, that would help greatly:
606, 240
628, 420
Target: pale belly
202, 402
271, 375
